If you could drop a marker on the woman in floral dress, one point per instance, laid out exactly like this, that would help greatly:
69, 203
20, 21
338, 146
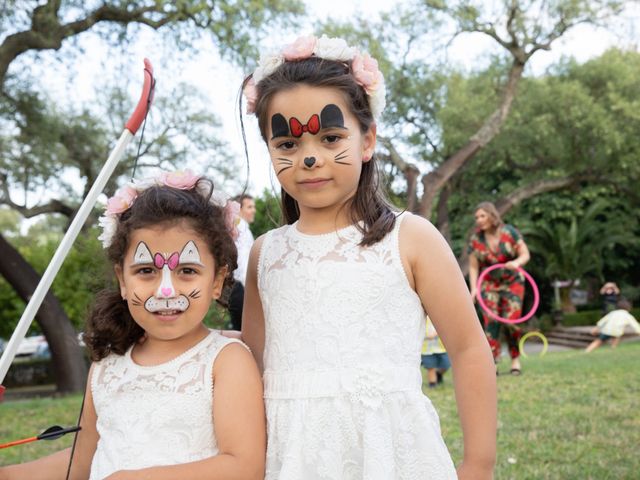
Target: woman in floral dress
503, 289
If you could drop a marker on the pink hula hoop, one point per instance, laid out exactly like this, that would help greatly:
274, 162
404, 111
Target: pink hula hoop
536, 295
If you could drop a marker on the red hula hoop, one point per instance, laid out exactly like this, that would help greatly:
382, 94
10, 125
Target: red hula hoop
536, 295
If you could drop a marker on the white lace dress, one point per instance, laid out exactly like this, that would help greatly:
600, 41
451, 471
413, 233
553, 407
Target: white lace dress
159, 415
342, 376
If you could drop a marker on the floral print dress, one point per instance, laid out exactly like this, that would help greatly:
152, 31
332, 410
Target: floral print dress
503, 289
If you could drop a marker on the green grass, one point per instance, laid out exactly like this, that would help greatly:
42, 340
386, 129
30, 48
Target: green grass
27, 418
569, 416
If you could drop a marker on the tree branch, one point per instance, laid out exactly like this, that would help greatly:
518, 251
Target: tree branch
47, 32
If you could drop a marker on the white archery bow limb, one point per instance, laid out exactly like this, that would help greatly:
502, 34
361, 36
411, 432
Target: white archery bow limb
61, 253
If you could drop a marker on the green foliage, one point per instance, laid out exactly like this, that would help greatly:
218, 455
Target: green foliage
577, 248
84, 272
588, 317
268, 213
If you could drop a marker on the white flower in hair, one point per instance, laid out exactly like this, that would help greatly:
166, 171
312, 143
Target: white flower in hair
109, 225
364, 68
269, 62
334, 49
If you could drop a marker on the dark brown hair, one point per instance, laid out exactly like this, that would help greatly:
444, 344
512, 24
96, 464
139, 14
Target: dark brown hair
110, 326
369, 204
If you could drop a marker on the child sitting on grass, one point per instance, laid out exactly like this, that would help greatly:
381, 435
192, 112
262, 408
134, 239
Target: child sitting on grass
612, 326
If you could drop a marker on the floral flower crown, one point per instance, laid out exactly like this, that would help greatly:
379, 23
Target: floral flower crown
125, 197
364, 68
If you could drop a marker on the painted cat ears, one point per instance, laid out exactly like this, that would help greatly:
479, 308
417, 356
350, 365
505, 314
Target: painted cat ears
189, 254
330, 116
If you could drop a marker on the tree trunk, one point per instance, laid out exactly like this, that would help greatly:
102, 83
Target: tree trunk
438, 177
69, 367
442, 220
565, 301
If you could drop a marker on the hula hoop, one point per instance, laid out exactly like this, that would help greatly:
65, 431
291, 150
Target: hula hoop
536, 295
545, 343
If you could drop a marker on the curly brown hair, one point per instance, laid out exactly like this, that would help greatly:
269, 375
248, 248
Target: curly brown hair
369, 204
110, 328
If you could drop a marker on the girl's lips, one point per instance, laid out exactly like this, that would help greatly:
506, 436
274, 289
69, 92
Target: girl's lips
314, 182
165, 316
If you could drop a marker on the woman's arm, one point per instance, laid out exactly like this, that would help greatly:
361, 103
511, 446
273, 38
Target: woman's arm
239, 425
54, 466
438, 281
522, 258
252, 315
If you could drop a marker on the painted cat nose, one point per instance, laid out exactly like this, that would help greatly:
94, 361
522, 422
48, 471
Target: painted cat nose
165, 292
309, 161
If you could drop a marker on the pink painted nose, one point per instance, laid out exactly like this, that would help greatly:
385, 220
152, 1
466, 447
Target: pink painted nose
166, 291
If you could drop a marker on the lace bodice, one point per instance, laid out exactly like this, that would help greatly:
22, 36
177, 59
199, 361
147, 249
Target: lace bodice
343, 334
332, 306
158, 415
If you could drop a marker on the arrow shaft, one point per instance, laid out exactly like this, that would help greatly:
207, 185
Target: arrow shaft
19, 442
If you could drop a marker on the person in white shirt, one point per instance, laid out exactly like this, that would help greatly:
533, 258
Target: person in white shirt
612, 326
243, 244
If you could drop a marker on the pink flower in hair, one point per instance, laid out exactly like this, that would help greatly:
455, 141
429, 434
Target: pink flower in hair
121, 200
366, 72
302, 48
251, 94
232, 218
182, 180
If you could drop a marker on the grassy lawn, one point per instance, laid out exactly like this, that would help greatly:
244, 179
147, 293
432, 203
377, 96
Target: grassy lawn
569, 416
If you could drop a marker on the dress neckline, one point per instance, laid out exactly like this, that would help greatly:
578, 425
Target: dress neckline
294, 229
174, 360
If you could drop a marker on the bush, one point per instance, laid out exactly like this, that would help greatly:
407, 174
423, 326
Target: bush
588, 317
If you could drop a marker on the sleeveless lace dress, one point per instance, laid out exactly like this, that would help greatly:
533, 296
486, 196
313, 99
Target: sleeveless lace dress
342, 376
158, 415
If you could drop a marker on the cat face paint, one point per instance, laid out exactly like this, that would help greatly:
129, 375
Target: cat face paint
330, 117
166, 298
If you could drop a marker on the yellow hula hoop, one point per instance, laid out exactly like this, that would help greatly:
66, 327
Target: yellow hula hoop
545, 343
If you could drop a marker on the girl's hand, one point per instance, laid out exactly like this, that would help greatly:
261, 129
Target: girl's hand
473, 294
512, 265
474, 472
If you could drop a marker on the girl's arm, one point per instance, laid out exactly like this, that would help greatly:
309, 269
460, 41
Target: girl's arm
437, 279
239, 424
473, 275
54, 466
252, 315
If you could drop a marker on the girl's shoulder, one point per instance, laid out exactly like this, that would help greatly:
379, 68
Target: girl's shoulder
233, 357
417, 236
416, 227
